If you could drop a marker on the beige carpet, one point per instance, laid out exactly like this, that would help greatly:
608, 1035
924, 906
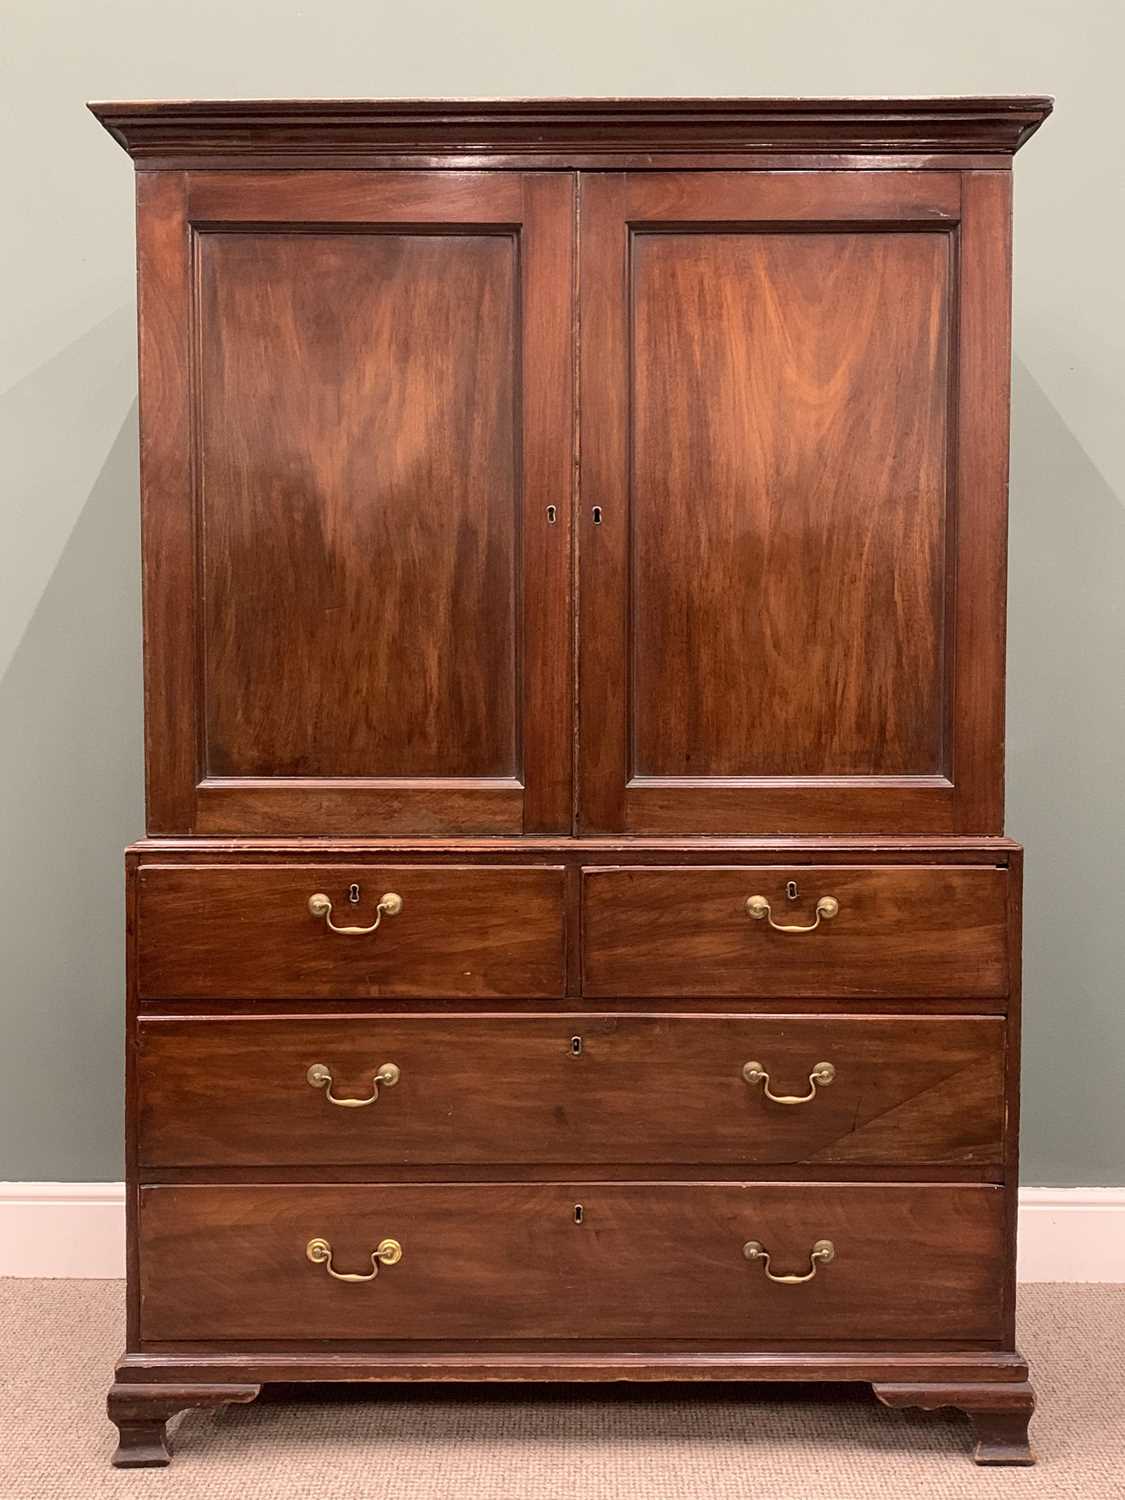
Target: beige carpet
59, 1339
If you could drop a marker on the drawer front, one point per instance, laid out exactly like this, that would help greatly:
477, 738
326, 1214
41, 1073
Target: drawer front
567, 1089
895, 931
653, 1261
247, 931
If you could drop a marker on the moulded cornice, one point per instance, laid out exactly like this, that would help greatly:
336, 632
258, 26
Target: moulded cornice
289, 132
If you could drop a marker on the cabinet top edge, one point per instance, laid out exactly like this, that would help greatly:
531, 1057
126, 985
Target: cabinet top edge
996, 847
287, 130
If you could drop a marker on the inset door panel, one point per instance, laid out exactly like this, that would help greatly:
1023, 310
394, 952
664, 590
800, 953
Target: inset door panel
359, 478
787, 625
356, 488
788, 523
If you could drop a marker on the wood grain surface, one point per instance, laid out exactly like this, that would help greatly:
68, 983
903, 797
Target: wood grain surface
614, 1090
575, 554
509, 1261
791, 606
936, 931
788, 503
359, 488
246, 933
367, 422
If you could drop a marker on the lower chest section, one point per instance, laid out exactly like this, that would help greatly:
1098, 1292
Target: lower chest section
731, 1103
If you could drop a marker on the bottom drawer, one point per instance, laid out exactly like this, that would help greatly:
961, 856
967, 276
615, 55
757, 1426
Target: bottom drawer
511, 1261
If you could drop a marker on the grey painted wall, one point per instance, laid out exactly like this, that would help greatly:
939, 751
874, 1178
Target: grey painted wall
70, 699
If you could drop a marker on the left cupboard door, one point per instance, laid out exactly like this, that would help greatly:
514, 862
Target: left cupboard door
356, 461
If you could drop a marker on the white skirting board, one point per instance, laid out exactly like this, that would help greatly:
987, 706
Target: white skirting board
78, 1229
1072, 1234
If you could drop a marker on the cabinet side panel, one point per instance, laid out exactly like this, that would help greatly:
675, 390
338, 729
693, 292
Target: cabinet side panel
167, 524
982, 501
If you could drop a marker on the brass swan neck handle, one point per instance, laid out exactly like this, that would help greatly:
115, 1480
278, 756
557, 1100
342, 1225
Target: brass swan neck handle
389, 905
822, 1074
387, 1074
386, 1253
820, 1255
826, 908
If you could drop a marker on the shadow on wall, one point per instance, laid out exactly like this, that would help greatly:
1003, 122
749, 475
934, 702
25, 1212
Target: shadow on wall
71, 769
1066, 727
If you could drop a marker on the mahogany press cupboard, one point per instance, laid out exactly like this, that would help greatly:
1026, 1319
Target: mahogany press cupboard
575, 937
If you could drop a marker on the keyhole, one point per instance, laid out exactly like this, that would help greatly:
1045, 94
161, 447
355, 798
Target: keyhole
791, 890
578, 1213
576, 1046
552, 515
597, 515
353, 894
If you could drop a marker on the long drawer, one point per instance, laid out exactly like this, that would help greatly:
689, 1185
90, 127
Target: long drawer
267, 931
275, 1091
512, 1261
874, 932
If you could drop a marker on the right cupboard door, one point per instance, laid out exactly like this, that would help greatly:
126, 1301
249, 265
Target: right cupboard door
794, 392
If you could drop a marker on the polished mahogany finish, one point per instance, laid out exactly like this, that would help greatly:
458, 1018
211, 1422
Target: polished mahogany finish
898, 932
999, 1413
320, 478
765, 427
221, 1091
575, 937
141, 1413
238, 933
794, 431
238, 132
580, 1260
358, 429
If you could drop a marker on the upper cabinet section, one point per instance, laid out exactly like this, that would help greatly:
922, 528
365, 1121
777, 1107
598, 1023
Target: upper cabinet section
357, 451
381, 342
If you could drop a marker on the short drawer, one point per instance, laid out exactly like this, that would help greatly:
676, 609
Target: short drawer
831, 931
516, 1261
250, 932
567, 1089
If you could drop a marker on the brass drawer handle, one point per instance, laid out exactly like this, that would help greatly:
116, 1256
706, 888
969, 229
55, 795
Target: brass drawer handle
320, 1078
822, 1074
386, 1252
820, 1254
389, 905
826, 909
